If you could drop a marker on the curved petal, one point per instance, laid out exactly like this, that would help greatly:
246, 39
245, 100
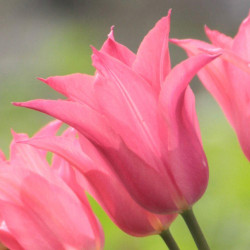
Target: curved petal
81, 117
77, 87
219, 39
117, 50
242, 39
213, 76
26, 156
152, 60
49, 129
186, 157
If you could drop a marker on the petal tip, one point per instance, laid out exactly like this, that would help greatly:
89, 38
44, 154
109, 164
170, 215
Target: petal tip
111, 33
42, 79
18, 104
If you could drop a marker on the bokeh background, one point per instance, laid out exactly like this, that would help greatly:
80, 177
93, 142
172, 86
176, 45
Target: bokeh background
40, 38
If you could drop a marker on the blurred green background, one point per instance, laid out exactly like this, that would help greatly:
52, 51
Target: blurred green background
52, 37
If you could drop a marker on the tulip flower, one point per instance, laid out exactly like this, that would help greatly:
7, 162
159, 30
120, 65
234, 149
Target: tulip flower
227, 78
101, 182
140, 115
38, 209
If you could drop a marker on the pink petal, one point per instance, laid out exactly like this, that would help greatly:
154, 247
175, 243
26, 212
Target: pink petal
152, 60
22, 224
107, 189
219, 39
50, 129
186, 157
77, 87
129, 104
81, 117
117, 50
242, 40
26, 156
192, 46
60, 211
213, 76
9, 241
2, 156
143, 182
122, 209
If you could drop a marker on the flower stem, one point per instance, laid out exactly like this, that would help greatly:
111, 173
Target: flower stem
195, 229
169, 240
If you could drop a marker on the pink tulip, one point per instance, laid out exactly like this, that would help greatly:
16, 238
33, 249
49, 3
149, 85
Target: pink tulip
141, 116
102, 183
228, 77
38, 209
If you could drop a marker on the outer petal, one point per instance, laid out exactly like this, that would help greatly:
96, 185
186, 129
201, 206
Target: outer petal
106, 188
77, 87
152, 60
86, 120
186, 157
118, 50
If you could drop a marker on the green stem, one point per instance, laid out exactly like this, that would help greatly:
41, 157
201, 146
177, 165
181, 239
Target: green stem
195, 229
169, 240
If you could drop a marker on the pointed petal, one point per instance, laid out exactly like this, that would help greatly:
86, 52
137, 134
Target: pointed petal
2, 156
84, 119
242, 40
152, 60
192, 46
77, 87
50, 129
66, 148
117, 50
213, 76
219, 39
186, 156
26, 156
128, 102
